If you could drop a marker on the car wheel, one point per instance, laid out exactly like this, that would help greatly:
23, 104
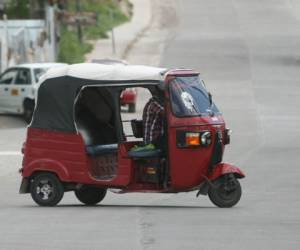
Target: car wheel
225, 193
28, 111
46, 189
131, 107
90, 195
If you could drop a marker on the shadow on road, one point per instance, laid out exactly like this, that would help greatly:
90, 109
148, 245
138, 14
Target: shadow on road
156, 206
122, 206
11, 121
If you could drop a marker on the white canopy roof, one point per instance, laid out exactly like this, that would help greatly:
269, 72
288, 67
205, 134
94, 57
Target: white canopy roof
103, 72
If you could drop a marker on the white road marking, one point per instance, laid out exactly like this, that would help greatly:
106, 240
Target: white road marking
10, 153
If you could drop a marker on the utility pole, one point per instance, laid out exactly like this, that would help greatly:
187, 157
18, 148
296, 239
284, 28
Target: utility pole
79, 30
4, 45
51, 31
32, 9
112, 32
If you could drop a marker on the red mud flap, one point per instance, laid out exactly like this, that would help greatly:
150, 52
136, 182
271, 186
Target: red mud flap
219, 170
225, 168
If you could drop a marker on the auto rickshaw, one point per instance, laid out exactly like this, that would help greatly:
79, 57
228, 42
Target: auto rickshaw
76, 141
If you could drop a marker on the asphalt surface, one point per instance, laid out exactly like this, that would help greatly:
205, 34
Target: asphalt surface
248, 53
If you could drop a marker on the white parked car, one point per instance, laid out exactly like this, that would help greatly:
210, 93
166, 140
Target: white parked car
17, 87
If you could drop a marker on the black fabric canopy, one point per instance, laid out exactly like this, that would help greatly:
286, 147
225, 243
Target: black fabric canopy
56, 98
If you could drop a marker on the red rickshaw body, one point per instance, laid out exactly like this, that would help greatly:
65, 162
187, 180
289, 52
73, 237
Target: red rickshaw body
65, 152
190, 165
65, 155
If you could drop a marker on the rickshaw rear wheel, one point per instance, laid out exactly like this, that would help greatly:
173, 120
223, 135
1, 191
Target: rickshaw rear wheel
90, 195
46, 189
225, 192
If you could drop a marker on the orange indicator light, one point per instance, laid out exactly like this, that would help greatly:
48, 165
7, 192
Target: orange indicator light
192, 139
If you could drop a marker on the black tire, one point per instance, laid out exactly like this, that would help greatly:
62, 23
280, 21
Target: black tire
90, 195
131, 108
222, 197
28, 110
46, 189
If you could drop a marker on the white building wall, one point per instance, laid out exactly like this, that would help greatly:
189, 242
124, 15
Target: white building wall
23, 41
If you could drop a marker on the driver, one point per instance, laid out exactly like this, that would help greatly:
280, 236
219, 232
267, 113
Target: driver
153, 120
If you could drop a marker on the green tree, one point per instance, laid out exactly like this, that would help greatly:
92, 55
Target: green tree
18, 9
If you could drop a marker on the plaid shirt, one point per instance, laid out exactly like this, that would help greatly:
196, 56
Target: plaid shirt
153, 121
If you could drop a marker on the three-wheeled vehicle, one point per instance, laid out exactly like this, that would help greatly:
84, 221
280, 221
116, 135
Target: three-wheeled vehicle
76, 141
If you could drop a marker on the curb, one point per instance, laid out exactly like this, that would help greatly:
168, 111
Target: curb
126, 35
138, 36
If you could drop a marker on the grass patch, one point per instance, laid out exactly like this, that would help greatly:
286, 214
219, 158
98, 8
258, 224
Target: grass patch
108, 15
70, 50
18, 9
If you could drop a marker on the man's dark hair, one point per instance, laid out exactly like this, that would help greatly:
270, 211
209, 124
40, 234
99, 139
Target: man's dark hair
155, 91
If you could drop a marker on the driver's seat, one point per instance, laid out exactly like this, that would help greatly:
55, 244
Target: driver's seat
145, 154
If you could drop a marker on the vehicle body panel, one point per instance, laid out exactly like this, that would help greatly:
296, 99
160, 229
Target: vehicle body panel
58, 146
21, 89
65, 155
6, 90
190, 165
13, 95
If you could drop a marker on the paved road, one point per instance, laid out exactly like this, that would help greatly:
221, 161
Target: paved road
248, 53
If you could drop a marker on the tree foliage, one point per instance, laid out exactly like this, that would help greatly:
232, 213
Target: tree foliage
18, 9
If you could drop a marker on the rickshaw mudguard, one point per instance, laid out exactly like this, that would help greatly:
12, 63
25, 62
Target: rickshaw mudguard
225, 168
47, 165
218, 171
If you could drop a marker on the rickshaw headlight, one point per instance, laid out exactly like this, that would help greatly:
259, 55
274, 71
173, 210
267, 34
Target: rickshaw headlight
192, 139
206, 138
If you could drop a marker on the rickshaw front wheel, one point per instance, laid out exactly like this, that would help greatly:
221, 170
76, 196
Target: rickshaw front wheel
46, 189
90, 195
225, 192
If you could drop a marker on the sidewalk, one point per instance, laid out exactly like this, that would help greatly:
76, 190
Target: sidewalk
143, 39
151, 43
125, 34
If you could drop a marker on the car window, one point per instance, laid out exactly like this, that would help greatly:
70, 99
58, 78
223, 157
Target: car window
23, 77
8, 77
38, 72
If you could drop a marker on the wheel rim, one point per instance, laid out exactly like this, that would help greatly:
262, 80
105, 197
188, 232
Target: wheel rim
44, 190
225, 194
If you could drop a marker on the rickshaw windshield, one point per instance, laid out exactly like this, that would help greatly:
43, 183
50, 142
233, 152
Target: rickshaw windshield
189, 97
